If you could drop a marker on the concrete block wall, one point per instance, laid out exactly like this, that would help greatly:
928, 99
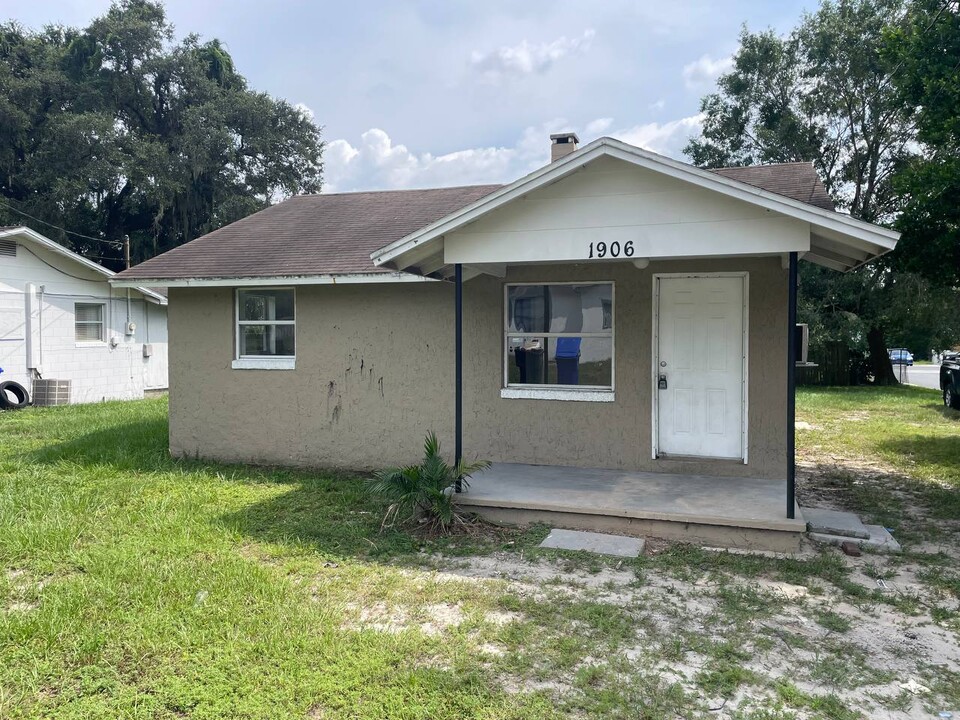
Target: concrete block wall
38, 294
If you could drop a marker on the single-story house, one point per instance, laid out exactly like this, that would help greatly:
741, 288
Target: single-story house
66, 335
613, 331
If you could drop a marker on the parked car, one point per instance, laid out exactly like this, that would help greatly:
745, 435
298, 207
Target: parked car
950, 379
901, 356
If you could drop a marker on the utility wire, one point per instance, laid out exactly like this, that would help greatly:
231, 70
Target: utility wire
75, 277
111, 243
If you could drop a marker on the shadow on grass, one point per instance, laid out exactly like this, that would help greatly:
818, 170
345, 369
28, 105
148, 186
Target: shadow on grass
321, 511
941, 496
948, 413
135, 445
329, 515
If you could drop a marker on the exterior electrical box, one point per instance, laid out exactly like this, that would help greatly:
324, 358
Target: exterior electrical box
147, 350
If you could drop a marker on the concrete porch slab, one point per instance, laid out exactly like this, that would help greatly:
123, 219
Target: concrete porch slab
708, 510
835, 522
599, 543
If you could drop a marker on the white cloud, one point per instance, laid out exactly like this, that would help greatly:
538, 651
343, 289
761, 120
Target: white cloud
703, 72
598, 126
305, 110
667, 138
528, 58
379, 163
658, 105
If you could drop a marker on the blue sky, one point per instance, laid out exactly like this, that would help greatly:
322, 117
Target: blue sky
438, 92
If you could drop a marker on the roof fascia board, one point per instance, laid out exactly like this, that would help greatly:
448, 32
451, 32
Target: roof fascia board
58, 249
347, 279
882, 237
758, 196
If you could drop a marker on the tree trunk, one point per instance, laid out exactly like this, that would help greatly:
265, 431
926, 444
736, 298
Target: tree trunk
880, 358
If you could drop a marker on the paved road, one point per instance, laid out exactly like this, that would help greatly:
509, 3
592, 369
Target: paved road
927, 376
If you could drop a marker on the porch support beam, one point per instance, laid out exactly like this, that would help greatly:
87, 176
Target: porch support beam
458, 382
792, 386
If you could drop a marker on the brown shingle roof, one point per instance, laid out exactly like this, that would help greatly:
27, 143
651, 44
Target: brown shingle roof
309, 235
334, 234
797, 180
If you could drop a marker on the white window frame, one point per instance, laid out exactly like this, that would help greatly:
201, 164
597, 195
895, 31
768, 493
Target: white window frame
263, 362
102, 322
576, 393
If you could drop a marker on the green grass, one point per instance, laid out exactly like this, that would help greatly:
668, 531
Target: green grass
906, 429
136, 586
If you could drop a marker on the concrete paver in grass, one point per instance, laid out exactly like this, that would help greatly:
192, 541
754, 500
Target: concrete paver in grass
835, 522
880, 539
593, 542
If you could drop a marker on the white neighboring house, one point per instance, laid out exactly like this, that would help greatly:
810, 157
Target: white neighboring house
60, 320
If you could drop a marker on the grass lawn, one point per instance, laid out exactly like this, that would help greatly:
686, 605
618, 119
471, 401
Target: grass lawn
135, 586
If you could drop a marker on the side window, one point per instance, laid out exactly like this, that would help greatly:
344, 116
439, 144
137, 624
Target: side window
88, 322
266, 323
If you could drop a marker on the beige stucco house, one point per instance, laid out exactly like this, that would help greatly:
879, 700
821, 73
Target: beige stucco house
613, 331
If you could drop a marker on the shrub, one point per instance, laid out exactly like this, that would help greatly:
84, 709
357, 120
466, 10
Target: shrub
424, 493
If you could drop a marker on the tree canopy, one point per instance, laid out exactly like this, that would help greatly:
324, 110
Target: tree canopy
118, 129
927, 48
825, 93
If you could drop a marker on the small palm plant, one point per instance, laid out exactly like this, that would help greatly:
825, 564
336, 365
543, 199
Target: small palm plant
424, 492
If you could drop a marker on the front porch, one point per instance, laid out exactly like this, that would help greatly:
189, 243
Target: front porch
709, 510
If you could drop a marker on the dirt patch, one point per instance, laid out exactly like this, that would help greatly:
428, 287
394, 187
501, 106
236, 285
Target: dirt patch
693, 633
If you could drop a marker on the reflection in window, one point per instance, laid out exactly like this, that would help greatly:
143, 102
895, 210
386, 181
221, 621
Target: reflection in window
266, 323
559, 335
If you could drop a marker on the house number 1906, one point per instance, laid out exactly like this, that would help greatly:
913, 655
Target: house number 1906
614, 249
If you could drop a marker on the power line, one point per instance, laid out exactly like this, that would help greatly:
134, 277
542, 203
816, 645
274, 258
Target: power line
112, 243
75, 277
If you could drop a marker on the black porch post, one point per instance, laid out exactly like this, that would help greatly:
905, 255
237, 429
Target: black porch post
792, 387
458, 344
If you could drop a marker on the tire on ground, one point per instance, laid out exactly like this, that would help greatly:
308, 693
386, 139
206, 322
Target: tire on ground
13, 395
951, 398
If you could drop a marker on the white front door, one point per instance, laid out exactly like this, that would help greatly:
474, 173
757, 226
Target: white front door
699, 363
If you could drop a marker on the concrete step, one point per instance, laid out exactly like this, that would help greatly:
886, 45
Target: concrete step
879, 540
835, 522
599, 543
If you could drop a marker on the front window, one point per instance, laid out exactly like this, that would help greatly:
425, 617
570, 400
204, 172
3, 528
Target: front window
266, 326
559, 335
88, 322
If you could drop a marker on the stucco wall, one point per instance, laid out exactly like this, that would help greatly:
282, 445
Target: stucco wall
618, 434
375, 373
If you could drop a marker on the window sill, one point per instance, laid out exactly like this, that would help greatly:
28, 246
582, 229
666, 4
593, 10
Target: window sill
540, 393
91, 344
264, 364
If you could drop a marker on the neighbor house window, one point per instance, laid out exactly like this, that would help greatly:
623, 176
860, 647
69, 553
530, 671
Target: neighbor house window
559, 335
266, 325
88, 322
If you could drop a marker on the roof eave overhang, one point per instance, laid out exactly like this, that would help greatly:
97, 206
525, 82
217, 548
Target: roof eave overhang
58, 249
863, 235
273, 281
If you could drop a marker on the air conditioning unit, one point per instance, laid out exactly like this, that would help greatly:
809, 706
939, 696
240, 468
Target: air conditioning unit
801, 343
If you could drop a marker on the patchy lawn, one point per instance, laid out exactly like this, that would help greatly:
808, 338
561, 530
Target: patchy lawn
135, 586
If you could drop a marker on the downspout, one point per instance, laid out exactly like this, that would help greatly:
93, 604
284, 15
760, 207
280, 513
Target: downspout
40, 332
126, 260
792, 388
458, 382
